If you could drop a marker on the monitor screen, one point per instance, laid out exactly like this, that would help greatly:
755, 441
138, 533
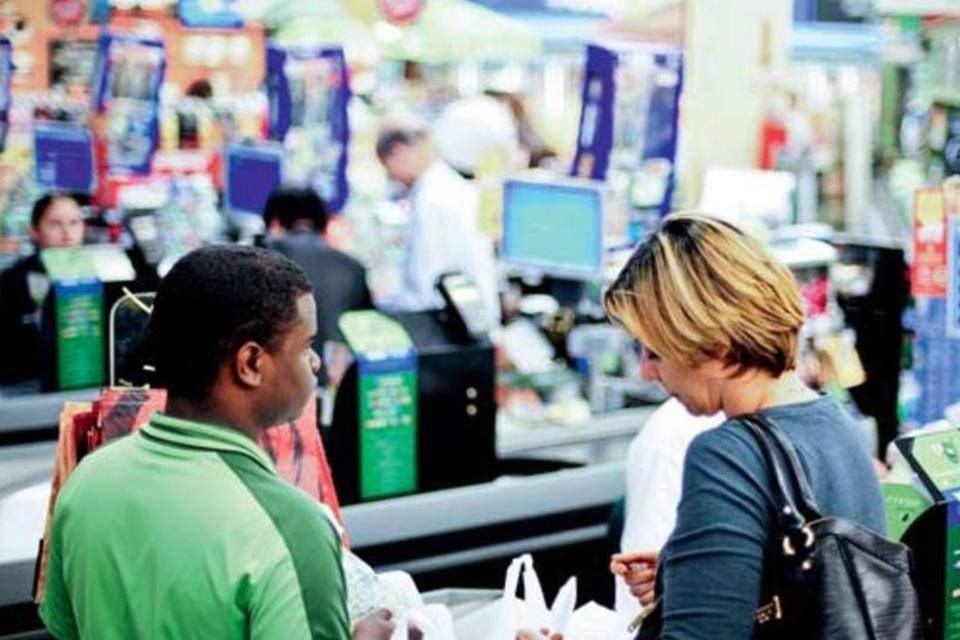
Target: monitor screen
553, 228
253, 172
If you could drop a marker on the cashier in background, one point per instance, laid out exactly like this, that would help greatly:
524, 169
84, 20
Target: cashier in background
296, 224
442, 236
56, 221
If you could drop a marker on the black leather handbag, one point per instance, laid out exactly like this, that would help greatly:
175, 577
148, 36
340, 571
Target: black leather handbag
824, 578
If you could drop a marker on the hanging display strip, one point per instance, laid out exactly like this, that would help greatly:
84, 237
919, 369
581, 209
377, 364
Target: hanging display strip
929, 277
309, 91
6, 82
630, 110
126, 93
595, 133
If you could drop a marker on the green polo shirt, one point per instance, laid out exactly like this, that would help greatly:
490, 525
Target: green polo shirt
184, 530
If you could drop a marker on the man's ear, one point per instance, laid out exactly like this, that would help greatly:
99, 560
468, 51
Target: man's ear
248, 364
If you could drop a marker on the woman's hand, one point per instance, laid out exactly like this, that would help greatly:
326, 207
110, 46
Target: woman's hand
639, 571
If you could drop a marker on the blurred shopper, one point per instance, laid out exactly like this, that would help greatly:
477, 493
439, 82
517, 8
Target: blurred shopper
536, 151
443, 235
718, 319
183, 529
56, 221
296, 221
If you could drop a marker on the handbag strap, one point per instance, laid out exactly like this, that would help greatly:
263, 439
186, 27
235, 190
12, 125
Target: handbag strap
801, 481
791, 483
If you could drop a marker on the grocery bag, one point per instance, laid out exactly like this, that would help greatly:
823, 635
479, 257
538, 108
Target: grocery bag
511, 615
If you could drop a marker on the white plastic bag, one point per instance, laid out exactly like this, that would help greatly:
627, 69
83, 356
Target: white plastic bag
594, 622
368, 591
433, 620
503, 619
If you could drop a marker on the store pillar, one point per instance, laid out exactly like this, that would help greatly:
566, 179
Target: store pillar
733, 56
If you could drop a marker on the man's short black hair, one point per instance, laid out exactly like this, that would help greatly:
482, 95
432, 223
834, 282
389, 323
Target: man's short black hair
42, 205
294, 206
392, 135
211, 302
200, 89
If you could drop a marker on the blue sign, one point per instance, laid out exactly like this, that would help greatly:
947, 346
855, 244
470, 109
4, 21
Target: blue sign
209, 14
595, 138
663, 123
308, 91
6, 96
953, 277
63, 157
252, 173
936, 359
126, 91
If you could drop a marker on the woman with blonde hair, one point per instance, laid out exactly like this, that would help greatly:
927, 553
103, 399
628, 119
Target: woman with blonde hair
717, 318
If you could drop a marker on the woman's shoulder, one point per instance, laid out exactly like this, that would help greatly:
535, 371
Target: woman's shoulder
727, 449
809, 424
798, 422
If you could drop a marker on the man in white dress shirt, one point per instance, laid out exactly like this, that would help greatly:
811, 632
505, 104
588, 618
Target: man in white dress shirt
443, 235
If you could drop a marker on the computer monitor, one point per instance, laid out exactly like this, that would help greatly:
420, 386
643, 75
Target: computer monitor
252, 173
553, 228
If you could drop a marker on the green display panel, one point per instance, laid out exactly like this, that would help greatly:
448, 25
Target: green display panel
903, 504
79, 334
78, 313
951, 590
388, 429
387, 389
936, 455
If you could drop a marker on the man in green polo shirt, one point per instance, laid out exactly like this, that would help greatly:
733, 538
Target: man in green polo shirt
183, 529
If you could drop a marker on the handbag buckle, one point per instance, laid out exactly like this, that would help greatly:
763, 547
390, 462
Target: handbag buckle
808, 539
770, 611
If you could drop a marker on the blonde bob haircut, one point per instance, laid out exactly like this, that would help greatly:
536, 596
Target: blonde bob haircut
699, 288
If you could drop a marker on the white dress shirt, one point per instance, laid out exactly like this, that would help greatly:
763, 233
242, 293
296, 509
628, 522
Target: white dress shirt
654, 481
443, 237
